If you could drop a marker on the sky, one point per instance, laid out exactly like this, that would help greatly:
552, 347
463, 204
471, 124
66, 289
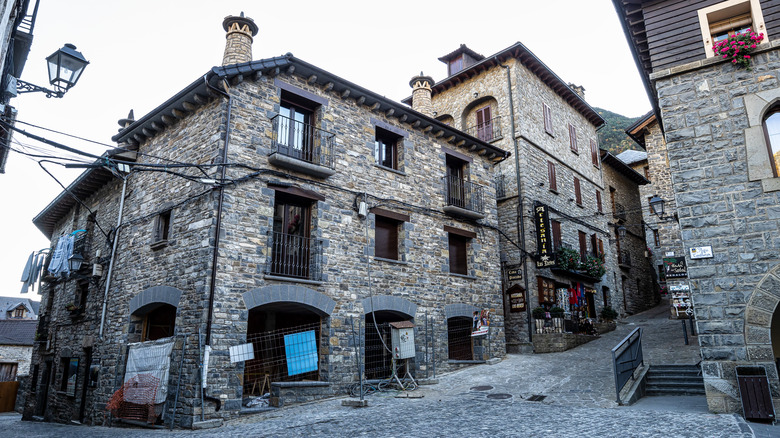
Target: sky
143, 52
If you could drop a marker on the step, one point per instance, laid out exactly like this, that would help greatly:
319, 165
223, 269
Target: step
672, 379
670, 374
649, 392
674, 387
676, 368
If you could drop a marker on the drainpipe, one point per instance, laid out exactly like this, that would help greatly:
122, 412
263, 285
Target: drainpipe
520, 222
113, 254
221, 200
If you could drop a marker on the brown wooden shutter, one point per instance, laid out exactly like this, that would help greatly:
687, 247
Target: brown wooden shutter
594, 244
583, 245
594, 152
551, 176
458, 255
572, 137
577, 192
386, 238
598, 202
556, 235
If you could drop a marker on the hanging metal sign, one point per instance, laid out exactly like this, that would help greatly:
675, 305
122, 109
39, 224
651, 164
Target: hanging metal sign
514, 274
675, 267
545, 257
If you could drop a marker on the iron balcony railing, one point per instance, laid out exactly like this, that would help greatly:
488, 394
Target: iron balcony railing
486, 131
303, 141
295, 256
463, 194
624, 258
500, 186
81, 245
620, 211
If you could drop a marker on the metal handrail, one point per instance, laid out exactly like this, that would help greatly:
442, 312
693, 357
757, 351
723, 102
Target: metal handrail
303, 141
486, 131
462, 194
626, 358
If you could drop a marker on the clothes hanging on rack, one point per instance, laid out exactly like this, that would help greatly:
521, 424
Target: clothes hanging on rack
63, 251
32, 269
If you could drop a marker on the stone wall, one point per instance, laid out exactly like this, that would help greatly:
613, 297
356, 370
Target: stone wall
705, 116
18, 354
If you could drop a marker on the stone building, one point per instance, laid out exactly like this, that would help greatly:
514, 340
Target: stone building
719, 122
628, 243
270, 207
513, 101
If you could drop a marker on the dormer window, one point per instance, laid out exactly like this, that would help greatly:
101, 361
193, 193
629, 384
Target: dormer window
455, 65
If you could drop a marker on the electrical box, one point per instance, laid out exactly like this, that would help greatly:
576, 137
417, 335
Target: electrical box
402, 339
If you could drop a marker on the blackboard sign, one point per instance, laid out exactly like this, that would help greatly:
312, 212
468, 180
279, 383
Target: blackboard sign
675, 267
545, 257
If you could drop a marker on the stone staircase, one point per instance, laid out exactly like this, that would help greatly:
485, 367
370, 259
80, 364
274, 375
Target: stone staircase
674, 380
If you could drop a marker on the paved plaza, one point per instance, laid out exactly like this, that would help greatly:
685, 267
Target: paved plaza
494, 400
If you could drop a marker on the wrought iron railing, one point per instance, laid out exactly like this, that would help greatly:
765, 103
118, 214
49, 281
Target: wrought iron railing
486, 131
295, 256
303, 141
624, 258
500, 186
620, 211
81, 245
626, 358
463, 194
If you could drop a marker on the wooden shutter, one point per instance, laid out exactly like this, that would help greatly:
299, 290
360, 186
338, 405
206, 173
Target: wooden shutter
594, 243
548, 128
484, 124
572, 137
656, 238
598, 202
601, 249
458, 255
583, 245
577, 192
556, 235
551, 176
546, 290
386, 238
594, 152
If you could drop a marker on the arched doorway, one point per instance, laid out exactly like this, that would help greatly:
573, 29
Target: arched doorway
287, 328
153, 313
380, 312
460, 324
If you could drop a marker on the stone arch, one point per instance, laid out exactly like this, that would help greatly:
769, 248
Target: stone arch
459, 309
317, 302
154, 296
389, 303
466, 116
758, 317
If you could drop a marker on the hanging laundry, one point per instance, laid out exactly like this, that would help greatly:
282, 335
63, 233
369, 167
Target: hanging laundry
63, 251
28, 268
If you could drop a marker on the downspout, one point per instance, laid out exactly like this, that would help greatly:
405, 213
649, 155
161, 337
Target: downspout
113, 254
221, 200
520, 222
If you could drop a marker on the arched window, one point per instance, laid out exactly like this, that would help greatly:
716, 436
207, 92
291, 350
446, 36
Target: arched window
772, 133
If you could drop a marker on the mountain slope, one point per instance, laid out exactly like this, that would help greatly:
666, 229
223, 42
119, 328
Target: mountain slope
612, 136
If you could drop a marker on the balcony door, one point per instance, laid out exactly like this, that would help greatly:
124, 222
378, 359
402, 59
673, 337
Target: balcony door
456, 186
291, 248
484, 124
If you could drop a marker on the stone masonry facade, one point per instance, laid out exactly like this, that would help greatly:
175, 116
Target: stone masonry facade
709, 111
149, 272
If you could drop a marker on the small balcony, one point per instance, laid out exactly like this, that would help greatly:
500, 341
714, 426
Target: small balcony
486, 131
624, 259
500, 186
619, 212
295, 257
302, 147
463, 198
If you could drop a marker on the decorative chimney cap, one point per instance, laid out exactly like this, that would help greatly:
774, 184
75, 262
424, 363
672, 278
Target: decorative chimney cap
124, 123
241, 21
421, 78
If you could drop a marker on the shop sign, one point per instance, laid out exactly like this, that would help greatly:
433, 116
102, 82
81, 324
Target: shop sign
701, 252
675, 267
514, 274
516, 299
545, 258
481, 323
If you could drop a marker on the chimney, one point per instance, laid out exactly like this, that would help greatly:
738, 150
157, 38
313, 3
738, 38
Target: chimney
238, 47
421, 94
579, 89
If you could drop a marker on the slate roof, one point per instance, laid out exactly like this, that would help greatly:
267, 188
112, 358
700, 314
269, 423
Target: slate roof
630, 156
8, 304
17, 332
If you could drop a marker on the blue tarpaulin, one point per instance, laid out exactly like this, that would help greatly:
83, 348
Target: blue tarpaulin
301, 352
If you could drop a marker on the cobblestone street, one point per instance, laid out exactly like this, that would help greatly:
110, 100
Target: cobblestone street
577, 384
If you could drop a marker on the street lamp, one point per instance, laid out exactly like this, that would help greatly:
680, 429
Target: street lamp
65, 68
657, 206
74, 262
621, 232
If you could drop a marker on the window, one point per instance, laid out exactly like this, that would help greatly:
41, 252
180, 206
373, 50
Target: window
556, 235
386, 233
159, 323
656, 238
551, 176
456, 182
386, 148
583, 245
572, 138
577, 192
19, 312
162, 228
291, 246
594, 245
599, 206
548, 126
772, 134
484, 124
70, 367
546, 290
594, 153
294, 127
719, 21
458, 247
